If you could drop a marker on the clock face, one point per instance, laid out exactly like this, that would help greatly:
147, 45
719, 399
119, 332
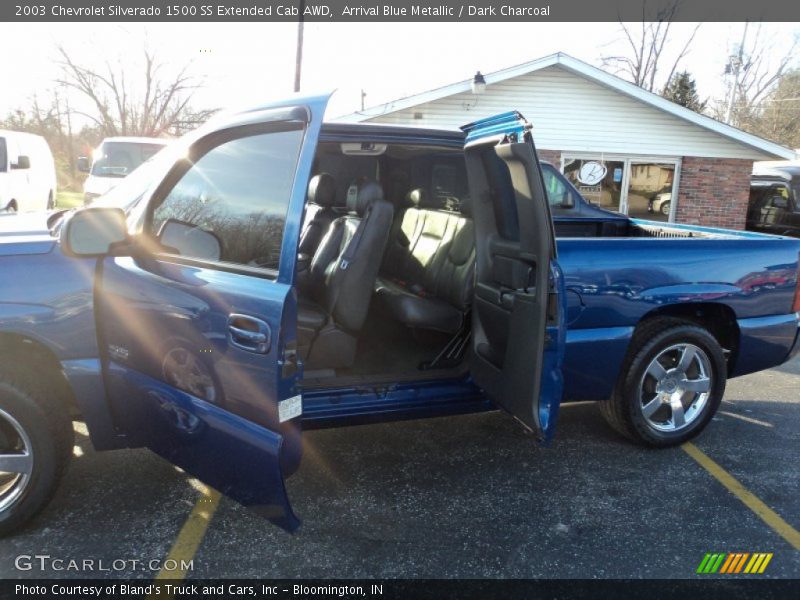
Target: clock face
592, 173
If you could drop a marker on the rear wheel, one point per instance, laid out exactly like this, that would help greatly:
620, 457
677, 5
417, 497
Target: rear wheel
670, 386
36, 441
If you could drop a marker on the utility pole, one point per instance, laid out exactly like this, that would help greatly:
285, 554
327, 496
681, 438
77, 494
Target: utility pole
735, 65
363, 96
298, 65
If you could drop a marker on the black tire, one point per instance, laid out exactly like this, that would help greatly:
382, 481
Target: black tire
623, 410
46, 422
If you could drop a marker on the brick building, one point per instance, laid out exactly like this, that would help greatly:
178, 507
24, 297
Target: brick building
625, 149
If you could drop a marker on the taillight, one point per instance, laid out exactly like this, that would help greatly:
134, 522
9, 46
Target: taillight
796, 303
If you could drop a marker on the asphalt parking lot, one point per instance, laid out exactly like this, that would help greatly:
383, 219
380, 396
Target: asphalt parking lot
469, 496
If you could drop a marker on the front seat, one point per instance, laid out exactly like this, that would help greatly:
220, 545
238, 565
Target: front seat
319, 213
342, 277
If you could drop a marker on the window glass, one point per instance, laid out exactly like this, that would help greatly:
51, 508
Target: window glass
650, 191
796, 195
777, 197
12, 150
449, 184
557, 190
231, 204
118, 159
599, 181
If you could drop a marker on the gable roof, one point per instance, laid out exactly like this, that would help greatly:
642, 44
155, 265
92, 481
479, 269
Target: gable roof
587, 71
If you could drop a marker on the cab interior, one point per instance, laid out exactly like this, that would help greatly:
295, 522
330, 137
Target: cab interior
386, 264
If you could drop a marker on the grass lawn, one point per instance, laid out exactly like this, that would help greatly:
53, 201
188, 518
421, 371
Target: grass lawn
69, 199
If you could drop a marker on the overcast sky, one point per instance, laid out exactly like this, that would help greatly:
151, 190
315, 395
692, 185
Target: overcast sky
243, 63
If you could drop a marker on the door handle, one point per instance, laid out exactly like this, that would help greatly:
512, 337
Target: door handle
249, 333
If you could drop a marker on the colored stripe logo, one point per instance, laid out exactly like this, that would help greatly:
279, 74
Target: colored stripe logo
732, 563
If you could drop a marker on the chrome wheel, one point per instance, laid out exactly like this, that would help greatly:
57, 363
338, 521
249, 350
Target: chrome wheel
675, 387
16, 460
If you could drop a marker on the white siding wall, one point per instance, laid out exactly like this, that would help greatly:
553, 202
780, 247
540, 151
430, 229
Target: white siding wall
571, 113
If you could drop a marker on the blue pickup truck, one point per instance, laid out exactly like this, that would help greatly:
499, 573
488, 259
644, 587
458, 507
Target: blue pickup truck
270, 273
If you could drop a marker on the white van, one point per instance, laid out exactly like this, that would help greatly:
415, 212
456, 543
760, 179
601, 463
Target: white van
114, 159
27, 173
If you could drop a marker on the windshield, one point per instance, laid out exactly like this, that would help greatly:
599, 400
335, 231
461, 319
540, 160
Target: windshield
119, 159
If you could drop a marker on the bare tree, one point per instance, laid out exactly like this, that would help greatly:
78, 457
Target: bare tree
755, 71
777, 116
648, 45
120, 103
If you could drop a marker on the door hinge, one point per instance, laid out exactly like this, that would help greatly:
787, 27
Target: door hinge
288, 362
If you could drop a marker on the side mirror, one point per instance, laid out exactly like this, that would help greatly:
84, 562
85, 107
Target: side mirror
186, 239
94, 232
23, 162
83, 164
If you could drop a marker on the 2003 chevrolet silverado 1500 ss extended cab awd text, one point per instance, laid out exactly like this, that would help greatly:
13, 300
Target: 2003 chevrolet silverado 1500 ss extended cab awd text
270, 273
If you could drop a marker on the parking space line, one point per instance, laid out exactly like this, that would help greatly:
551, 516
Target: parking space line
744, 418
764, 512
194, 529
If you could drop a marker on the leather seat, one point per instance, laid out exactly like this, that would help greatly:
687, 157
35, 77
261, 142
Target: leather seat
319, 213
427, 278
342, 279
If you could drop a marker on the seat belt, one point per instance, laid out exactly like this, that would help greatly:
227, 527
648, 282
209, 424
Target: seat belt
352, 247
349, 253
348, 256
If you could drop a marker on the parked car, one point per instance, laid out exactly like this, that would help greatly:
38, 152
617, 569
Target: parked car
114, 159
774, 205
272, 274
27, 173
661, 203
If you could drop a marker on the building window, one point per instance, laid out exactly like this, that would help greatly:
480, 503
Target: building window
599, 181
640, 187
650, 190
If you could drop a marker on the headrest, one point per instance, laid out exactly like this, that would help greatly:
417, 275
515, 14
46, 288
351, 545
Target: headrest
416, 197
322, 190
367, 193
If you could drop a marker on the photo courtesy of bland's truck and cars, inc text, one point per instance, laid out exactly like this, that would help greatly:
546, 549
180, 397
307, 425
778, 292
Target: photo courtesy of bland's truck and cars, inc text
397, 300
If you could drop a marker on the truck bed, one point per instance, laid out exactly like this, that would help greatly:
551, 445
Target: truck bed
580, 227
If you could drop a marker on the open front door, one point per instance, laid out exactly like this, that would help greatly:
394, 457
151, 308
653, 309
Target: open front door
198, 329
519, 304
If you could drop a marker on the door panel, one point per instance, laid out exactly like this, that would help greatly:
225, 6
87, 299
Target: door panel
181, 387
520, 301
199, 326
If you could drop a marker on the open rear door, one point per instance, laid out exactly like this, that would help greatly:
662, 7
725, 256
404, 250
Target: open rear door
519, 304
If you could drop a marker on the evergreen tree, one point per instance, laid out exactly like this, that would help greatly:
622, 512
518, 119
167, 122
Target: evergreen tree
682, 89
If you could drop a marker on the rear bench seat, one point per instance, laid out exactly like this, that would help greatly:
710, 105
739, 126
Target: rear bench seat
426, 279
